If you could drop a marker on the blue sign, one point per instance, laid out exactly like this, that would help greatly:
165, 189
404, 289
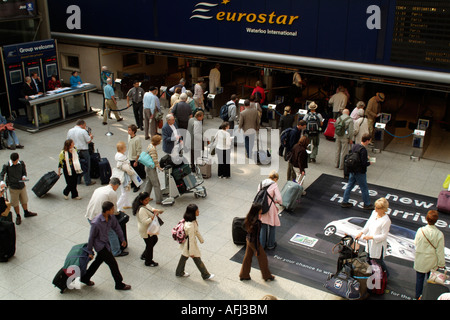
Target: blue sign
29, 50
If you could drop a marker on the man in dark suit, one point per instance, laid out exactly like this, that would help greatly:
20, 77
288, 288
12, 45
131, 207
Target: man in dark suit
36, 82
170, 134
27, 89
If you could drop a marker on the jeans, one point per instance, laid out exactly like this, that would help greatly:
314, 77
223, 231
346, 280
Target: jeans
12, 139
420, 278
249, 141
84, 154
267, 236
361, 179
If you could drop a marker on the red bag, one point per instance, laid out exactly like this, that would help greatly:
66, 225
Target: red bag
378, 281
443, 201
329, 131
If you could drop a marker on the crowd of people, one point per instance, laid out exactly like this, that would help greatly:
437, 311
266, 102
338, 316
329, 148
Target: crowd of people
183, 125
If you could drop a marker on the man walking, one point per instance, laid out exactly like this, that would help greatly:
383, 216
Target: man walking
151, 107
344, 135
359, 175
110, 102
98, 240
314, 122
249, 124
373, 110
81, 139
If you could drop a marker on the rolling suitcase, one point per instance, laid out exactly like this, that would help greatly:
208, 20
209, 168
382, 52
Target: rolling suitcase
7, 240
204, 164
123, 219
75, 265
95, 167
238, 231
45, 183
329, 131
105, 170
291, 194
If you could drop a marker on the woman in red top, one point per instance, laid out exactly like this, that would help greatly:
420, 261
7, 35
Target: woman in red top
259, 93
53, 83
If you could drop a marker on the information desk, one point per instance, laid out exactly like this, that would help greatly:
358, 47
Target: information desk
57, 106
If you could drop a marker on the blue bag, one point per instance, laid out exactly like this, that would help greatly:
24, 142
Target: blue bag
146, 159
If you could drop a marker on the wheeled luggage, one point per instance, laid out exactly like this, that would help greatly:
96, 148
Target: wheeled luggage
443, 201
95, 165
105, 171
343, 284
7, 240
123, 219
329, 131
239, 233
204, 164
261, 156
291, 194
45, 183
74, 266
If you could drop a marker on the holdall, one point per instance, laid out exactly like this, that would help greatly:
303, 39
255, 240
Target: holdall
146, 159
45, 183
105, 171
123, 219
329, 131
95, 170
7, 240
443, 201
343, 285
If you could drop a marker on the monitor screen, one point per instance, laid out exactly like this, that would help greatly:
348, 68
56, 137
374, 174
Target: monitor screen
15, 76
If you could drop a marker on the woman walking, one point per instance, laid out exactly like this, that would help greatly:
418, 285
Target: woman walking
70, 164
190, 246
252, 225
151, 173
145, 214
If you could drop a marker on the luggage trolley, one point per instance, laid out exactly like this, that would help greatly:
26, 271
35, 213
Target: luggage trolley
179, 179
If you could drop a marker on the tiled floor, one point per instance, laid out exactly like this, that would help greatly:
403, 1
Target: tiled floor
44, 241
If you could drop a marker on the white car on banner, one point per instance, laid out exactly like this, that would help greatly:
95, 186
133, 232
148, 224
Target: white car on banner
400, 240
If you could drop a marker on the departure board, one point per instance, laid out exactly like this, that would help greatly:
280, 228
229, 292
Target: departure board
421, 35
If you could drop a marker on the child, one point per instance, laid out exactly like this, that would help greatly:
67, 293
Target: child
123, 171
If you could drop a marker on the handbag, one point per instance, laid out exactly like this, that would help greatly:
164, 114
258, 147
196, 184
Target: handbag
438, 277
146, 159
343, 285
443, 201
153, 228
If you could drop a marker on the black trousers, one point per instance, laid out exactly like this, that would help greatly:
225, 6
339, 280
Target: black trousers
71, 182
106, 256
223, 168
138, 110
149, 245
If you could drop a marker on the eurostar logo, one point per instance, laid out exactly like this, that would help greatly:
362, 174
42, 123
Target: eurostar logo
205, 11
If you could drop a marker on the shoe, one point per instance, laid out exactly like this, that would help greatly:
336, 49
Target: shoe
185, 275
124, 287
29, 214
19, 146
346, 205
18, 219
147, 138
120, 119
152, 264
104, 123
158, 202
77, 198
210, 277
66, 197
142, 128
136, 189
272, 278
88, 283
122, 254
91, 183
313, 160
369, 207
11, 147
303, 193
245, 279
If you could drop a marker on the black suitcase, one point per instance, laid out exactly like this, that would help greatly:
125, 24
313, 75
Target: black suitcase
95, 167
105, 170
238, 231
123, 219
45, 183
60, 280
7, 240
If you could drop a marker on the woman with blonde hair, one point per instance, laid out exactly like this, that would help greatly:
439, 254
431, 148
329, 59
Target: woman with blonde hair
375, 232
270, 219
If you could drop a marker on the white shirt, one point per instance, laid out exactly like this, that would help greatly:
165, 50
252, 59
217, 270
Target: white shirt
80, 137
99, 196
223, 139
378, 228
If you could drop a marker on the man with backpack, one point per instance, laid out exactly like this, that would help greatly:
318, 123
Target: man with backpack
357, 162
343, 134
228, 111
314, 122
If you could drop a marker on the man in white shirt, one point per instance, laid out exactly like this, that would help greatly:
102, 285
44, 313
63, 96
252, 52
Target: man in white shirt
94, 208
214, 79
151, 107
81, 139
338, 101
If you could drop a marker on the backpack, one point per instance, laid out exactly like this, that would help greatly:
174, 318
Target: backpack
285, 136
262, 198
178, 233
352, 161
224, 112
312, 123
340, 127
